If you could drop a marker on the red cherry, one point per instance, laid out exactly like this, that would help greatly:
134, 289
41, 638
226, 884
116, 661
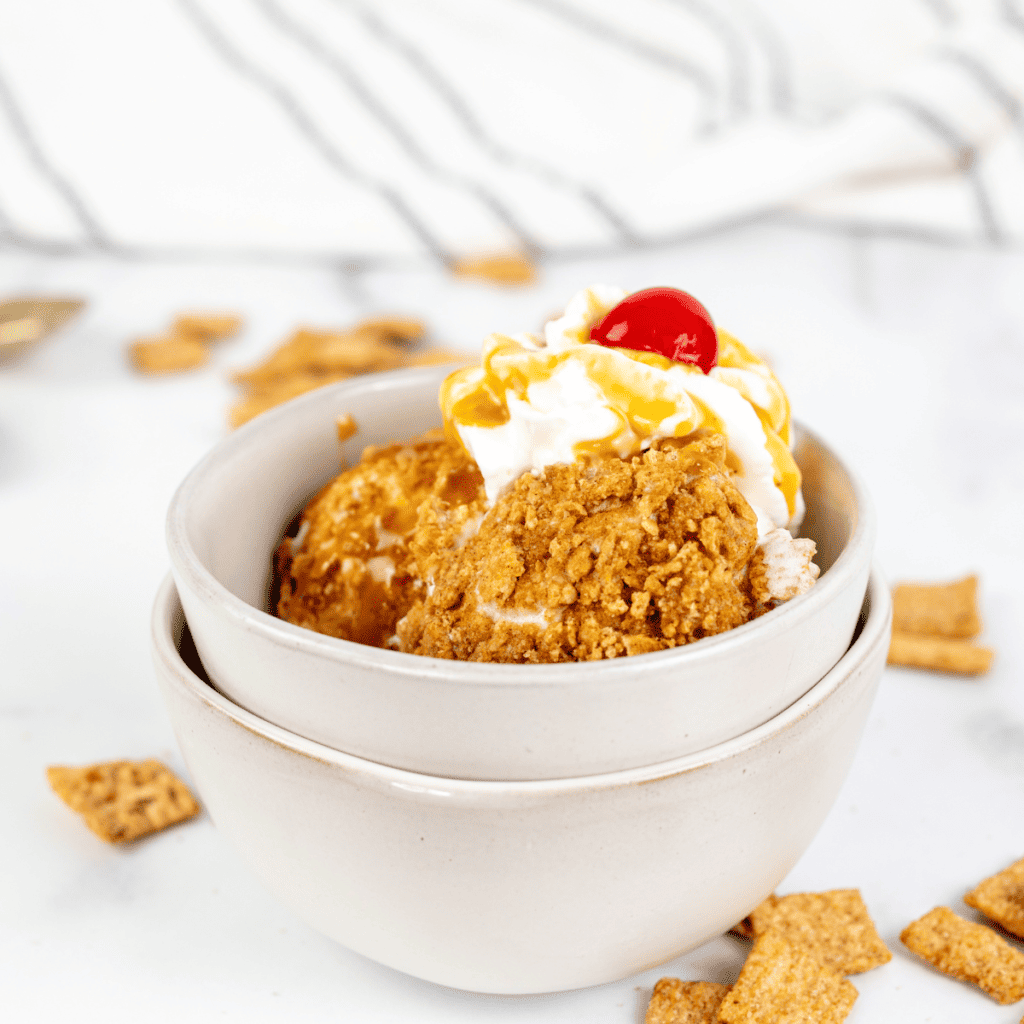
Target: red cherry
663, 320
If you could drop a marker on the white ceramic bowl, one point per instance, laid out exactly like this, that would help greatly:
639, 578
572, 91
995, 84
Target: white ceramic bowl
468, 720
521, 886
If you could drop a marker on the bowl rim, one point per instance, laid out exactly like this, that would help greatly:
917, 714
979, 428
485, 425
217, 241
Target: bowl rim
200, 580
167, 608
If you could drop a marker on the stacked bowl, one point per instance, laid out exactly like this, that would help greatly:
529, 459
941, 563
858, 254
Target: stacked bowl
502, 828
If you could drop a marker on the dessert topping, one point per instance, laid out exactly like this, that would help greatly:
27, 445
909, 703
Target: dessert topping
536, 402
667, 321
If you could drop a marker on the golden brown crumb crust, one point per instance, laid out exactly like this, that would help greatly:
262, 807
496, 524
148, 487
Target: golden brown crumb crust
589, 561
353, 575
581, 562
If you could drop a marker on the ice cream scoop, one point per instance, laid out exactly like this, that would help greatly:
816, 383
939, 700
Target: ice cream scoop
535, 402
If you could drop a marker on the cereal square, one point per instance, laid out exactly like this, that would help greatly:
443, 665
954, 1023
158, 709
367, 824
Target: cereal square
968, 952
124, 800
782, 984
946, 609
685, 1002
206, 326
167, 355
504, 268
1001, 898
939, 654
834, 927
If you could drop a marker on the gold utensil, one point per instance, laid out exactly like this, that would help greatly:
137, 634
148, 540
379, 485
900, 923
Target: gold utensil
28, 319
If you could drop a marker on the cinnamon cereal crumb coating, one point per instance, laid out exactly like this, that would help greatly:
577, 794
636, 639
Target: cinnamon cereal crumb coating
349, 571
587, 561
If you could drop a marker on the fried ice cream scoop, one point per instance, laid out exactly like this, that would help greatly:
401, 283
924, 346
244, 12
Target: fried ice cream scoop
587, 561
349, 571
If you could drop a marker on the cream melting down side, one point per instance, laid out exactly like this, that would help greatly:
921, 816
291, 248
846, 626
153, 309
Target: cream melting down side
538, 402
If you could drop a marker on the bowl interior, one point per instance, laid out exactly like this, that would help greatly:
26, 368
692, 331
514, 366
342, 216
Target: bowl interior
234, 507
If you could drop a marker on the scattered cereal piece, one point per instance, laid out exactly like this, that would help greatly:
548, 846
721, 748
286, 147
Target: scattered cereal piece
939, 654
124, 800
834, 927
206, 326
948, 610
685, 1002
781, 984
968, 952
323, 353
1001, 898
346, 427
167, 355
263, 398
312, 358
435, 356
186, 345
505, 268
396, 329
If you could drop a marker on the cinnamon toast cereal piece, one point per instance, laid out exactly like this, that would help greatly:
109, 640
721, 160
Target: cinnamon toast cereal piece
589, 561
398, 330
346, 427
260, 399
782, 984
939, 654
263, 396
436, 356
167, 355
206, 326
1001, 898
124, 800
947, 610
500, 268
350, 572
685, 1002
312, 358
833, 926
968, 952
319, 353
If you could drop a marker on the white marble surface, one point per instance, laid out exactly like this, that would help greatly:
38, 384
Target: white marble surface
908, 358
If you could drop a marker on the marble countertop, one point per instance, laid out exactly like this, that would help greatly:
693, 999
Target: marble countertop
908, 358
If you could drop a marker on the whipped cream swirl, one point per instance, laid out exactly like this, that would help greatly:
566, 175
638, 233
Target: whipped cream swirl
535, 402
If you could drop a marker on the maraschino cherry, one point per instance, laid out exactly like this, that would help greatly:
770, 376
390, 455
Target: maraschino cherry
663, 320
